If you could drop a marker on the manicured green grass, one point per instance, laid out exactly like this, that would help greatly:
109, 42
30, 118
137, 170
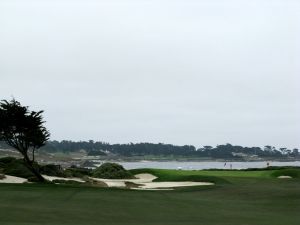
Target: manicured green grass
168, 175
237, 199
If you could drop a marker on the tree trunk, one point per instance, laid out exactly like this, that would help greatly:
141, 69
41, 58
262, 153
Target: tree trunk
30, 166
33, 154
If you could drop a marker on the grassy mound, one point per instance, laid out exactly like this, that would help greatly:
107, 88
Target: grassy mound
52, 170
111, 171
77, 172
294, 173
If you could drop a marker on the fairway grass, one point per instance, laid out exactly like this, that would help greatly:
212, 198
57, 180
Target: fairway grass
236, 200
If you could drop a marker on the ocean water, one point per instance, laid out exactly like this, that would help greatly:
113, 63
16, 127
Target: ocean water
204, 165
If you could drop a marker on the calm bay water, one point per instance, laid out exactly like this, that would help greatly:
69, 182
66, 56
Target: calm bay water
204, 165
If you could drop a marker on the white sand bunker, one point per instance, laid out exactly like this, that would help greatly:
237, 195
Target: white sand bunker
284, 177
13, 180
144, 181
52, 178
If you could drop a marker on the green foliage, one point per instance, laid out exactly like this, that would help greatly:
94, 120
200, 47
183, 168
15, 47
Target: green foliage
2, 176
77, 172
161, 150
6, 160
52, 170
111, 171
32, 179
15, 167
23, 130
95, 152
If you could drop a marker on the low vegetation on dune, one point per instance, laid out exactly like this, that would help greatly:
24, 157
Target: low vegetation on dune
77, 172
111, 171
58, 171
15, 167
52, 170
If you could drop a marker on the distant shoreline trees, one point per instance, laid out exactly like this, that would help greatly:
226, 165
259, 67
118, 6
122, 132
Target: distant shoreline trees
142, 149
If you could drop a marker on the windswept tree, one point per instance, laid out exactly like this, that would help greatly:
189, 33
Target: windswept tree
23, 130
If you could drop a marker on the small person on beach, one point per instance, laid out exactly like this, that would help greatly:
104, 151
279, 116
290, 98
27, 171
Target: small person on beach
231, 166
224, 164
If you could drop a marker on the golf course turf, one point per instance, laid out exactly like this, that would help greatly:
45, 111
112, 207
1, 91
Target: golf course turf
238, 198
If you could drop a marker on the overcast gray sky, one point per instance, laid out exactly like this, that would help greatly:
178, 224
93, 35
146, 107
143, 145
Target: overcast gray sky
201, 72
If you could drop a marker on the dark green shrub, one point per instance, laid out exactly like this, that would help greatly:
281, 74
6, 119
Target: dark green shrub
96, 152
112, 171
32, 179
77, 172
6, 160
17, 168
52, 170
2, 176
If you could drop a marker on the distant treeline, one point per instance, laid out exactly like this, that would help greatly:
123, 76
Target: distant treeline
160, 149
